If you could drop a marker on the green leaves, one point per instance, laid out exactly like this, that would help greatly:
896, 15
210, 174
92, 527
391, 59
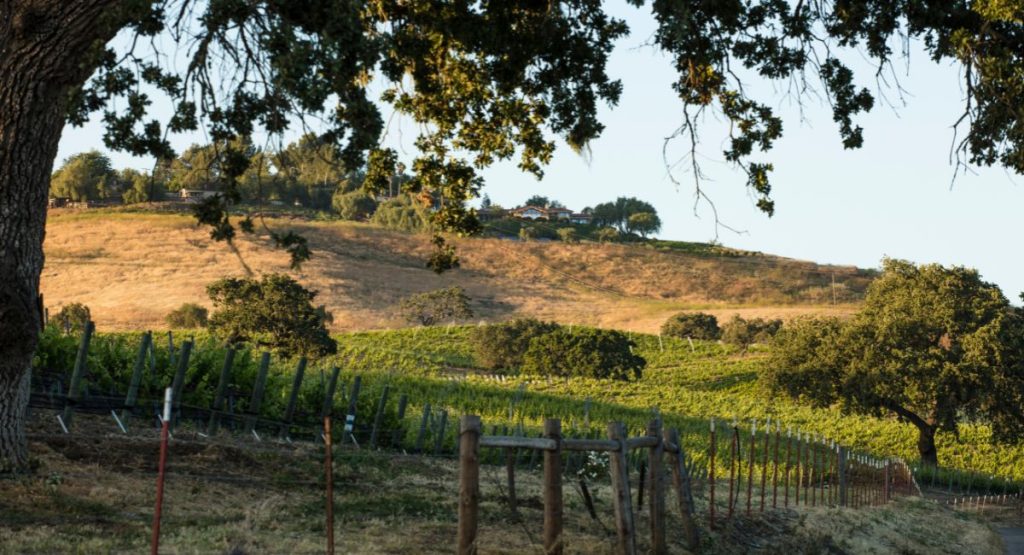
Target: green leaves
272, 312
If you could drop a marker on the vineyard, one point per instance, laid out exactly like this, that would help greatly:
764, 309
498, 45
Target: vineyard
686, 383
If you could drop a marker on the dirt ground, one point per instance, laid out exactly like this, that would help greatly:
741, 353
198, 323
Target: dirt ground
93, 492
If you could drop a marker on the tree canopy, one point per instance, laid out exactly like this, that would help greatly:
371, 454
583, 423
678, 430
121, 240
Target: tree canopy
85, 176
933, 346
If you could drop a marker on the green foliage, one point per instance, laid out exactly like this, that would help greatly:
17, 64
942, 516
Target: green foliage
404, 213
503, 345
693, 325
688, 383
141, 186
587, 352
188, 315
618, 214
569, 235
607, 235
934, 346
644, 223
538, 201
273, 312
527, 233
743, 333
85, 176
356, 205
441, 305
72, 317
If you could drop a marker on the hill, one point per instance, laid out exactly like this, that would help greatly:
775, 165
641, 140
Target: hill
132, 268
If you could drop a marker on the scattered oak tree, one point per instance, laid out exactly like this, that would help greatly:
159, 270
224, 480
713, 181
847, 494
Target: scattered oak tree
502, 346
485, 82
584, 352
187, 316
274, 312
933, 346
743, 333
85, 176
72, 318
692, 325
644, 223
434, 307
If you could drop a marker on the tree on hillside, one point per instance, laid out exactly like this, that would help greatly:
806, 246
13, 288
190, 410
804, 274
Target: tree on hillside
85, 176
274, 312
644, 223
933, 346
140, 186
436, 307
484, 82
617, 214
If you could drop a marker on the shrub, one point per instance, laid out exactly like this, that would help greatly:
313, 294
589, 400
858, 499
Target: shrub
695, 325
744, 333
404, 213
590, 353
356, 205
607, 235
432, 307
568, 235
527, 233
274, 312
72, 318
188, 315
503, 345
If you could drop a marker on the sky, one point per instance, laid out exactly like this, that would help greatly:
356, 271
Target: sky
894, 197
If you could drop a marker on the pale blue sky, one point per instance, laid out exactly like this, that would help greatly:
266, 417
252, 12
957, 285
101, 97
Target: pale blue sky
890, 198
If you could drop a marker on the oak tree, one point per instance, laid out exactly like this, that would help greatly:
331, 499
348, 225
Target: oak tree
932, 346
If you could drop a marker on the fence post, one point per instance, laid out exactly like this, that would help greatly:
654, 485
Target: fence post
510, 472
750, 465
681, 483
257, 391
133, 386
553, 543
620, 485
222, 385
329, 471
842, 475
293, 398
421, 435
179, 374
656, 495
379, 418
161, 470
332, 386
439, 439
469, 483
399, 434
81, 361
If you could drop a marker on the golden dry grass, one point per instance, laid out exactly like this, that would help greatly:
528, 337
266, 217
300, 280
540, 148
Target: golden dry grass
132, 269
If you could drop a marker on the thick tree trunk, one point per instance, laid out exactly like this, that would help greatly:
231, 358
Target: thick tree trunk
44, 46
926, 445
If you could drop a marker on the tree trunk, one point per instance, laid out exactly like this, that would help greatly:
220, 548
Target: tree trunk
926, 445
45, 48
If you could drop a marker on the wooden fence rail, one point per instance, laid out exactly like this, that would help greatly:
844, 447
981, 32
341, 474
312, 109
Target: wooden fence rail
657, 442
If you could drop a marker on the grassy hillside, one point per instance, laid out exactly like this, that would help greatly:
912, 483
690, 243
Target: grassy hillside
132, 268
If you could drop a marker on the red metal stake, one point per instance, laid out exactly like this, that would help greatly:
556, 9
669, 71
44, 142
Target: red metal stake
164, 433
329, 469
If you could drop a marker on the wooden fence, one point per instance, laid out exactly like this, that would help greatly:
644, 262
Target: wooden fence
658, 443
